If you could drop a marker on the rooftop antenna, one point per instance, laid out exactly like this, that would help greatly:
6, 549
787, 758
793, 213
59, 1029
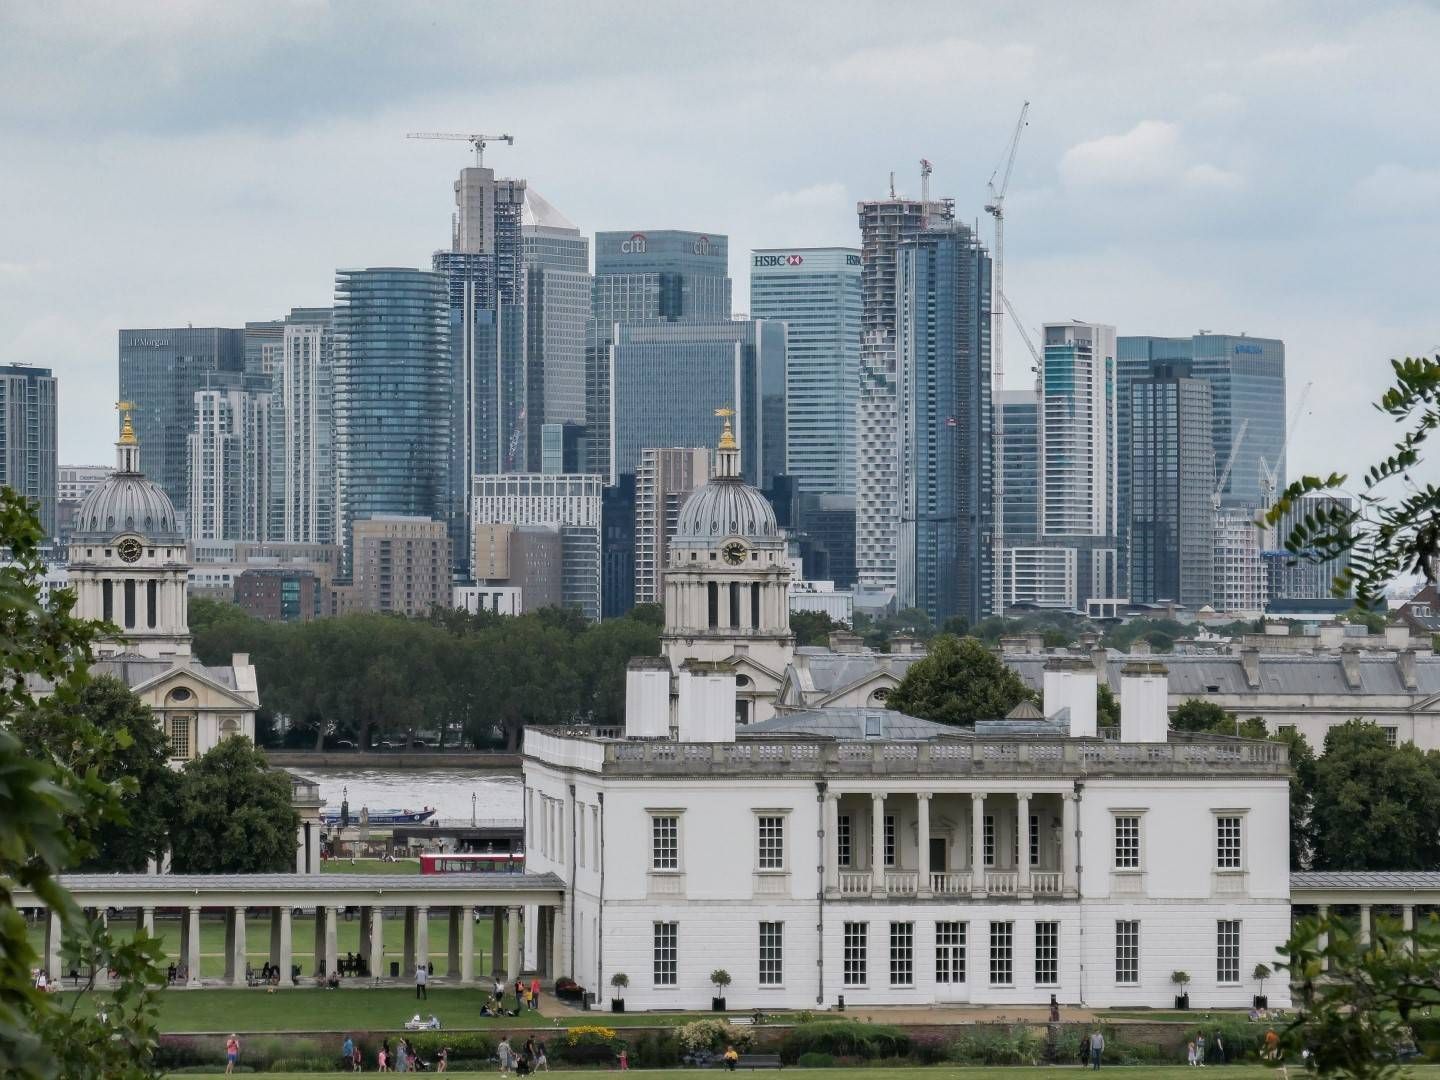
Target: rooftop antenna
477, 141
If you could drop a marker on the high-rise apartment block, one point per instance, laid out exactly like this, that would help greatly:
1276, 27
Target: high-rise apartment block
303, 430
1078, 464
392, 396
816, 293
264, 346
668, 378
663, 480
1291, 577
1171, 471
1018, 416
944, 420
1241, 587
229, 451
557, 314
668, 274
28, 455
884, 224
76, 482
567, 502
529, 559
401, 564
160, 370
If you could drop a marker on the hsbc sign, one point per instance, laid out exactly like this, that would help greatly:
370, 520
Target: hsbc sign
779, 260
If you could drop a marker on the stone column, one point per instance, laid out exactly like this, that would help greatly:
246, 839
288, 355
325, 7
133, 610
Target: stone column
1365, 924
1022, 845
467, 944
452, 942
376, 942
146, 921
532, 941
560, 944
53, 934
274, 956
332, 946
877, 843
1322, 942
229, 975
1407, 923
321, 917
422, 937
832, 842
977, 844
512, 945
286, 961
922, 843
192, 946
362, 950
239, 953
1067, 845
407, 952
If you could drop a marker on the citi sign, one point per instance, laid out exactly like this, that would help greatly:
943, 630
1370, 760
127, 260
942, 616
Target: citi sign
702, 245
634, 246
779, 260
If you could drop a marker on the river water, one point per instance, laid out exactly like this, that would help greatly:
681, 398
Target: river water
448, 790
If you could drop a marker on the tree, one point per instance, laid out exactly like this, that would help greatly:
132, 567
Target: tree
1302, 798
1375, 805
49, 810
813, 627
958, 682
528, 677
106, 705
601, 655
1107, 709
233, 814
1384, 534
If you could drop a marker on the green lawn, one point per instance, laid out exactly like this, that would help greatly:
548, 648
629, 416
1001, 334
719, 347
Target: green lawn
257, 941
370, 866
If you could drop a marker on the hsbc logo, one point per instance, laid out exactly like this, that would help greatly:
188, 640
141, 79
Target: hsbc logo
634, 246
778, 260
794, 260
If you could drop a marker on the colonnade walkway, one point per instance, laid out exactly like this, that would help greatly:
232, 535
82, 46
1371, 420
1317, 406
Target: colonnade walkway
534, 901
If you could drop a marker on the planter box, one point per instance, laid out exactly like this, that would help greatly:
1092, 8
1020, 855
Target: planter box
717, 1004
1182, 1001
617, 1004
1261, 1001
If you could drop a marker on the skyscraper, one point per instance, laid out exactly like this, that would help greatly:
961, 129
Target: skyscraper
944, 545
884, 223
816, 293
392, 395
663, 479
570, 503
1019, 413
229, 451
160, 370
668, 274
304, 392
1172, 478
668, 378
1078, 466
1291, 577
485, 277
557, 313
28, 459
264, 346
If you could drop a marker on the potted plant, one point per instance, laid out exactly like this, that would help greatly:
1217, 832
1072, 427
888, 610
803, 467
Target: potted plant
719, 978
618, 982
1261, 973
1181, 979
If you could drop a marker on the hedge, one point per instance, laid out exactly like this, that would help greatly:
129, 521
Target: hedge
844, 1038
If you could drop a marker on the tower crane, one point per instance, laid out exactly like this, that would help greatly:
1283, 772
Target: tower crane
479, 142
1229, 463
995, 207
1270, 474
926, 168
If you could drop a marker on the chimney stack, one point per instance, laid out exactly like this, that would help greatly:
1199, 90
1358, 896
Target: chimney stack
1071, 684
1250, 661
1408, 675
843, 641
1144, 702
647, 698
1350, 664
706, 702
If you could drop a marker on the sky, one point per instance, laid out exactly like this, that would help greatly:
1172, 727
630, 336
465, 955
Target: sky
1272, 168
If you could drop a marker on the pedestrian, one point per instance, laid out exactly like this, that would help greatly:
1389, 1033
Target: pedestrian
357, 1060
1219, 1049
232, 1052
529, 999
535, 993
499, 990
421, 978
1190, 1052
385, 1056
624, 1060
540, 1060
347, 1051
530, 1049
1272, 1045
1200, 1049
731, 1058
505, 1054
1054, 1010
1097, 1048
519, 994
41, 981
402, 1057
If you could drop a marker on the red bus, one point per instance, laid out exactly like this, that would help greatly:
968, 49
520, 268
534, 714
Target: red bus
489, 862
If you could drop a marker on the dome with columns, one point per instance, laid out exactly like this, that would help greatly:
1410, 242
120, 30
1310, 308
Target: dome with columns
127, 502
726, 507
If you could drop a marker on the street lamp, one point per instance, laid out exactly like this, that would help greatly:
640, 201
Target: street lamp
472, 809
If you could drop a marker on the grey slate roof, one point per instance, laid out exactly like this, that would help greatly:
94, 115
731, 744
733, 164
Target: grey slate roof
827, 671
849, 723
133, 669
1373, 879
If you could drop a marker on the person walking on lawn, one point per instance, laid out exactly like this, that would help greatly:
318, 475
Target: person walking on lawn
535, 993
1097, 1048
506, 1055
232, 1053
519, 995
422, 977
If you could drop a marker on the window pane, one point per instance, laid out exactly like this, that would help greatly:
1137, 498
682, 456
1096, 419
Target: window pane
842, 840
949, 952
1047, 953
902, 954
665, 843
772, 953
1227, 951
889, 839
1002, 953
772, 843
857, 947
1227, 843
666, 935
1127, 843
1127, 952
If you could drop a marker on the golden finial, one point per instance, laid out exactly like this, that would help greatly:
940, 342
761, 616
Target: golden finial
127, 430
727, 436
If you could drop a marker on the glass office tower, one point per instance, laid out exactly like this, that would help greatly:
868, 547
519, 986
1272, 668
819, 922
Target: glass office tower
28, 462
816, 293
392, 395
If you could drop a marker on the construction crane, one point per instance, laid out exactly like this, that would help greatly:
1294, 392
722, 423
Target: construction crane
925, 170
1270, 474
1025, 337
1229, 463
995, 207
479, 142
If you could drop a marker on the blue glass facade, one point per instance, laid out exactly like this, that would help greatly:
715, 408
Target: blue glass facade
392, 395
1020, 466
944, 557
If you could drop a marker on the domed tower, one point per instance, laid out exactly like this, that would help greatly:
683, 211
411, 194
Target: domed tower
727, 583
129, 560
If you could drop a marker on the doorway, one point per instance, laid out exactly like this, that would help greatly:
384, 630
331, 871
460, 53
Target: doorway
938, 847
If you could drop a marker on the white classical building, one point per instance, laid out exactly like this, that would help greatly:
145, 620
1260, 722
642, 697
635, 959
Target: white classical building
841, 850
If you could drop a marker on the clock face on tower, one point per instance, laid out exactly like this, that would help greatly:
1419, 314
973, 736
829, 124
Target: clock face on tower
734, 552
128, 549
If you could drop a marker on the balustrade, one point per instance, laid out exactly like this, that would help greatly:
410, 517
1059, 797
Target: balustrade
950, 884
1001, 882
902, 882
854, 882
1045, 884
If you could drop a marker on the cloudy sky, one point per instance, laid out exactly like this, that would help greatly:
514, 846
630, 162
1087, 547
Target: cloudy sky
1233, 166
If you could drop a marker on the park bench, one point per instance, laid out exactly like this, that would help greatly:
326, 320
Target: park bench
752, 1061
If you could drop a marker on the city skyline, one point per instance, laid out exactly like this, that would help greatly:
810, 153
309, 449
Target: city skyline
1221, 209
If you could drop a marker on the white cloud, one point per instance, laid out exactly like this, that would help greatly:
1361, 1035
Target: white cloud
1147, 153
1212, 177
933, 63
1392, 190
1320, 55
815, 196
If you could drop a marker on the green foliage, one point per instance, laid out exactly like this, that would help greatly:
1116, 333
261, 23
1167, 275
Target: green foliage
713, 1035
878, 632
57, 731
1016, 1045
654, 1050
1180, 978
814, 1060
1392, 526
620, 980
50, 813
844, 1038
233, 814
1159, 634
720, 978
1375, 805
464, 1045
958, 682
1107, 707
813, 627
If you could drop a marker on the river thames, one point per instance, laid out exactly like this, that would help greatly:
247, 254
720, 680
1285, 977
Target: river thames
448, 790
